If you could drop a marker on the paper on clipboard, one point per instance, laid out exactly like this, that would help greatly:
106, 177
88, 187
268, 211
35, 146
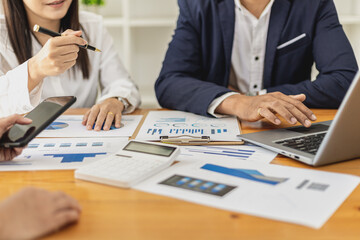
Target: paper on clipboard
176, 124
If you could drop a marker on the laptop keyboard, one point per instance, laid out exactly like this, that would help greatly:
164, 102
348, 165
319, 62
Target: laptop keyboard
309, 144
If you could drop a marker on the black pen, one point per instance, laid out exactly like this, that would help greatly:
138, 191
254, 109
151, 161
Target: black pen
39, 29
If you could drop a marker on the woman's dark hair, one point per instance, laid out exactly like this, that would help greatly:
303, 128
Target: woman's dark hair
20, 33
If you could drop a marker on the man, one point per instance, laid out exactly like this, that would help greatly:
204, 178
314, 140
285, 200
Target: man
253, 59
32, 212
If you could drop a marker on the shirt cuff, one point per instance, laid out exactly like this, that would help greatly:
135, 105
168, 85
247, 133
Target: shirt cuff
216, 102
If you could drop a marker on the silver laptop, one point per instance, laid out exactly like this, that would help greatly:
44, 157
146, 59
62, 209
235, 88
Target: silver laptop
322, 143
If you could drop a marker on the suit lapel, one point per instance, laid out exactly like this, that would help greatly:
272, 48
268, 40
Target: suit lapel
226, 11
279, 14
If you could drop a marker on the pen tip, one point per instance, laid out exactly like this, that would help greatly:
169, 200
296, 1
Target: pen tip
97, 50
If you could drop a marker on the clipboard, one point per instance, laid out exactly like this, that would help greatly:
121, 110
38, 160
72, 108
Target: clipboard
187, 140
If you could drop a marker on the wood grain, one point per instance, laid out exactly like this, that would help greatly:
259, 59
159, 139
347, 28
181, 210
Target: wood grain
114, 213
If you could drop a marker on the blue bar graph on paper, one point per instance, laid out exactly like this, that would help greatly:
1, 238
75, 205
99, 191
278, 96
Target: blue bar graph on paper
65, 145
225, 130
252, 175
74, 157
97, 144
228, 152
49, 145
84, 144
219, 130
212, 131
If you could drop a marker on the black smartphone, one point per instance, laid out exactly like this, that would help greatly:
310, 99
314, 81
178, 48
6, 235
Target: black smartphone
42, 116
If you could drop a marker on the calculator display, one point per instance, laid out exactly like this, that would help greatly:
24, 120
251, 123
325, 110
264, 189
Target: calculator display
149, 148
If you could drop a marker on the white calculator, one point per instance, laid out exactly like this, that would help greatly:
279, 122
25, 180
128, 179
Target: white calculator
137, 161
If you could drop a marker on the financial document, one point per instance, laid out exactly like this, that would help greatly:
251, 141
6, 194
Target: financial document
62, 153
226, 153
71, 126
177, 123
300, 196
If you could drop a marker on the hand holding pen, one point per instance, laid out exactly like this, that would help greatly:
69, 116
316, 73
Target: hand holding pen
37, 28
57, 55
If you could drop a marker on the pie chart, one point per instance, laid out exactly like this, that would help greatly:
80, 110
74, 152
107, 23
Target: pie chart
57, 125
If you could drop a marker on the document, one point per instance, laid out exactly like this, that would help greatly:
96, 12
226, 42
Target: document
177, 123
223, 153
62, 153
71, 126
300, 196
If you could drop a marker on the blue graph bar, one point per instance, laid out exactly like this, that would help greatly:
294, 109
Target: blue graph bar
97, 144
74, 157
65, 145
251, 175
212, 131
154, 131
81, 144
225, 130
49, 145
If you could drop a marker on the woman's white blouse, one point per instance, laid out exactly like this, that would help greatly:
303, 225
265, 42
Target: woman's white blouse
107, 74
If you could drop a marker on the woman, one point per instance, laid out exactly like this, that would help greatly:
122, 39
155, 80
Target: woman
34, 66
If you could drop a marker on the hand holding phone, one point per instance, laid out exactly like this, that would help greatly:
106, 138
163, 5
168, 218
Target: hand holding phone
42, 116
7, 154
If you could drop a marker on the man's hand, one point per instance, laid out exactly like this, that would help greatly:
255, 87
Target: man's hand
32, 213
268, 106
7, 154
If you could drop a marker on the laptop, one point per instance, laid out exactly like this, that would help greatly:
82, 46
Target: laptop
322, 143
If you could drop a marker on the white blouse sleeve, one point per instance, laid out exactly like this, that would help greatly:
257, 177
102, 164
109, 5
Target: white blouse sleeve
14, 92
114, 78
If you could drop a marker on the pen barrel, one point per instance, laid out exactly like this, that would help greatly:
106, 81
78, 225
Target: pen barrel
48, 32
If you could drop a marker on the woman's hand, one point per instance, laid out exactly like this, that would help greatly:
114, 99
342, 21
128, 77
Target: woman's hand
104, 114
57, 55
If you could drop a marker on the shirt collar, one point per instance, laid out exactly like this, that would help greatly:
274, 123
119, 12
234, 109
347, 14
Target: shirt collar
243, 9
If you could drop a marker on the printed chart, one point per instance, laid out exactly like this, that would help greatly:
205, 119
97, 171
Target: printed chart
289, 194
248, 174
62, 153
223, 153
177, 123
71, 126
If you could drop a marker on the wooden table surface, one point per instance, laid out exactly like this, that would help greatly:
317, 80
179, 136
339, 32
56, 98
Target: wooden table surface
115, 213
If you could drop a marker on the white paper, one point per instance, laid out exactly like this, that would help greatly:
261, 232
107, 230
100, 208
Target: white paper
234, 153
71, 126
176, 123
62, 153
305, 197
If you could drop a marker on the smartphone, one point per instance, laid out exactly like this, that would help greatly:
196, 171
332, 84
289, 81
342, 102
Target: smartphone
42, 116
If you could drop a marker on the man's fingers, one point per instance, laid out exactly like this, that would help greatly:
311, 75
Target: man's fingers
266, 113
298, 104
284, 112
299, 97
65, 217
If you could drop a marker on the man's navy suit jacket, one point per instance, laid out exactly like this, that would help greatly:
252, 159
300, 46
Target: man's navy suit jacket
197, 65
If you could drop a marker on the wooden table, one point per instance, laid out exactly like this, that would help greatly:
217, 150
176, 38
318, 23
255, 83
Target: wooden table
114, 213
